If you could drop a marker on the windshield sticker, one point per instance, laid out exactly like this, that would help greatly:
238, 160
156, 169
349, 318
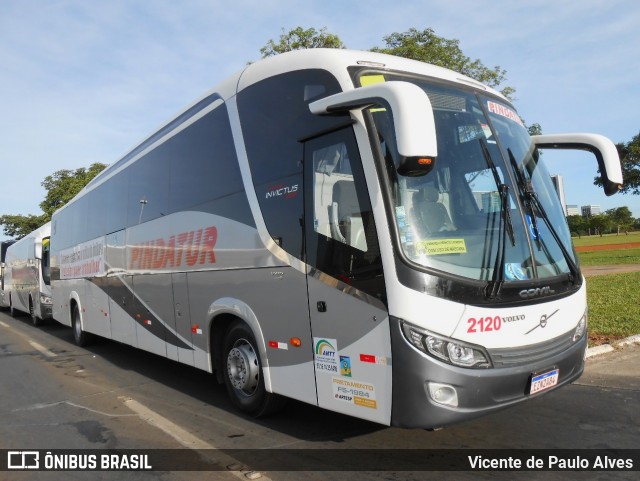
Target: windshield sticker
406, 235
487, 131
366, 80
503, 111
513, 271
371, 79
442, 246
533, 231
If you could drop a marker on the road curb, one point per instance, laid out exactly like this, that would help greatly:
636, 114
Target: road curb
605, 348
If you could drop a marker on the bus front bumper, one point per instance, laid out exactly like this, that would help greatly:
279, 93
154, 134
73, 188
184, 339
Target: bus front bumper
477, 391
46, 311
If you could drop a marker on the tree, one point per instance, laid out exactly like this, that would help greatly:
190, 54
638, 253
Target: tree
61, 187
621, 218
600, 223
630, 160
534, 129
18, 226
578, 225
426, 46
300, 38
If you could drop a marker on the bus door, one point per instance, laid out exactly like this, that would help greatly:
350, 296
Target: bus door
347, 301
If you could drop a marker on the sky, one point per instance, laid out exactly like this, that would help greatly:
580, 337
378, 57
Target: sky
83, 81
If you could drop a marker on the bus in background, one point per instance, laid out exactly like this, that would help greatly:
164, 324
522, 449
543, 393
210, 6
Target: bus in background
4, 245
27, 282
365, 233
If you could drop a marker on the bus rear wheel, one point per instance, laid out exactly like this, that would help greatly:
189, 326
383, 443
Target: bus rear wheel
80, 337
243, 373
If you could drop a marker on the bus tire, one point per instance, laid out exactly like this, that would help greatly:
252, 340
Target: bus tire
80, 337
243, 373
35, 320
13, 312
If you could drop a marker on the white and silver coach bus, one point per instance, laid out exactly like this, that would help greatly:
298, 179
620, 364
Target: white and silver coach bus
4, 245
369, 234
26, 278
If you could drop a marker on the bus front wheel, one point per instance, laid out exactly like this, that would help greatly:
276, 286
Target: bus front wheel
35, 320
243, 373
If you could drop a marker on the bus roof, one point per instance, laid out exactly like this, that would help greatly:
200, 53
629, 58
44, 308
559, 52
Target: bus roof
336, 61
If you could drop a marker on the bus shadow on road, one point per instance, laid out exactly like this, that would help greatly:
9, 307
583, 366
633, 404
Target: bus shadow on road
297, 419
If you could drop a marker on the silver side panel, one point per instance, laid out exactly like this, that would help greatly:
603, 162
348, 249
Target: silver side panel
95, 309
154, 303
273, 302
123, 327
182, 316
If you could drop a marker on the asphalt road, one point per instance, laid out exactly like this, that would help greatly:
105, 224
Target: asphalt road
54, 395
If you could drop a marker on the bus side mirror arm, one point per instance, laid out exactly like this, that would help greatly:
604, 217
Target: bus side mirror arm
412, 113
604, 150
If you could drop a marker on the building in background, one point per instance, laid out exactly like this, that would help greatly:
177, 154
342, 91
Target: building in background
573, 210
590, 210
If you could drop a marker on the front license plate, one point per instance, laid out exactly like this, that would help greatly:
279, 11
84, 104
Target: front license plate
542, 382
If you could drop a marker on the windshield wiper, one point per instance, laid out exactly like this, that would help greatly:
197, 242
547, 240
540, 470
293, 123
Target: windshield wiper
492, 289
533, 203
527, 191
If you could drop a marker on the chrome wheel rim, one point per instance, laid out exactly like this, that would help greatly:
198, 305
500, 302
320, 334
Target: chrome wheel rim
243, 367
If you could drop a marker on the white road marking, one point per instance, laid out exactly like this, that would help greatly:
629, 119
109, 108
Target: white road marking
69, 403
188, 440
42, 349
34, 344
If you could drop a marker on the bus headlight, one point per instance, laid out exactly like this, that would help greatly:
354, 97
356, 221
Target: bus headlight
44, 299
448, 350
581, 328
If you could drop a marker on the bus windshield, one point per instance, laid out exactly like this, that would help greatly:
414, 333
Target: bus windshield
488, 204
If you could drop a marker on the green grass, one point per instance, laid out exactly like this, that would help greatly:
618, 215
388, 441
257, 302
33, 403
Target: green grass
603, 258
614, 306
613, 299
596, 240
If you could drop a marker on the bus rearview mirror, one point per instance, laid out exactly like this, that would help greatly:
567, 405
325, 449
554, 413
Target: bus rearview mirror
413, 122
602, 147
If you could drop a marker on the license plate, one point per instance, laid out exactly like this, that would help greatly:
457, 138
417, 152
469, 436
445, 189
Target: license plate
542, 382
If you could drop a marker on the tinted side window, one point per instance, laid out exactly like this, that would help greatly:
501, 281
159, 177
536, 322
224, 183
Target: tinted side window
116, 202
275, 116
148, 196
60, 225
98, 205
78, 219
204, 165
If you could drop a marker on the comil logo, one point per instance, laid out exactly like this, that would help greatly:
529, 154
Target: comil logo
23, 460
537, 292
